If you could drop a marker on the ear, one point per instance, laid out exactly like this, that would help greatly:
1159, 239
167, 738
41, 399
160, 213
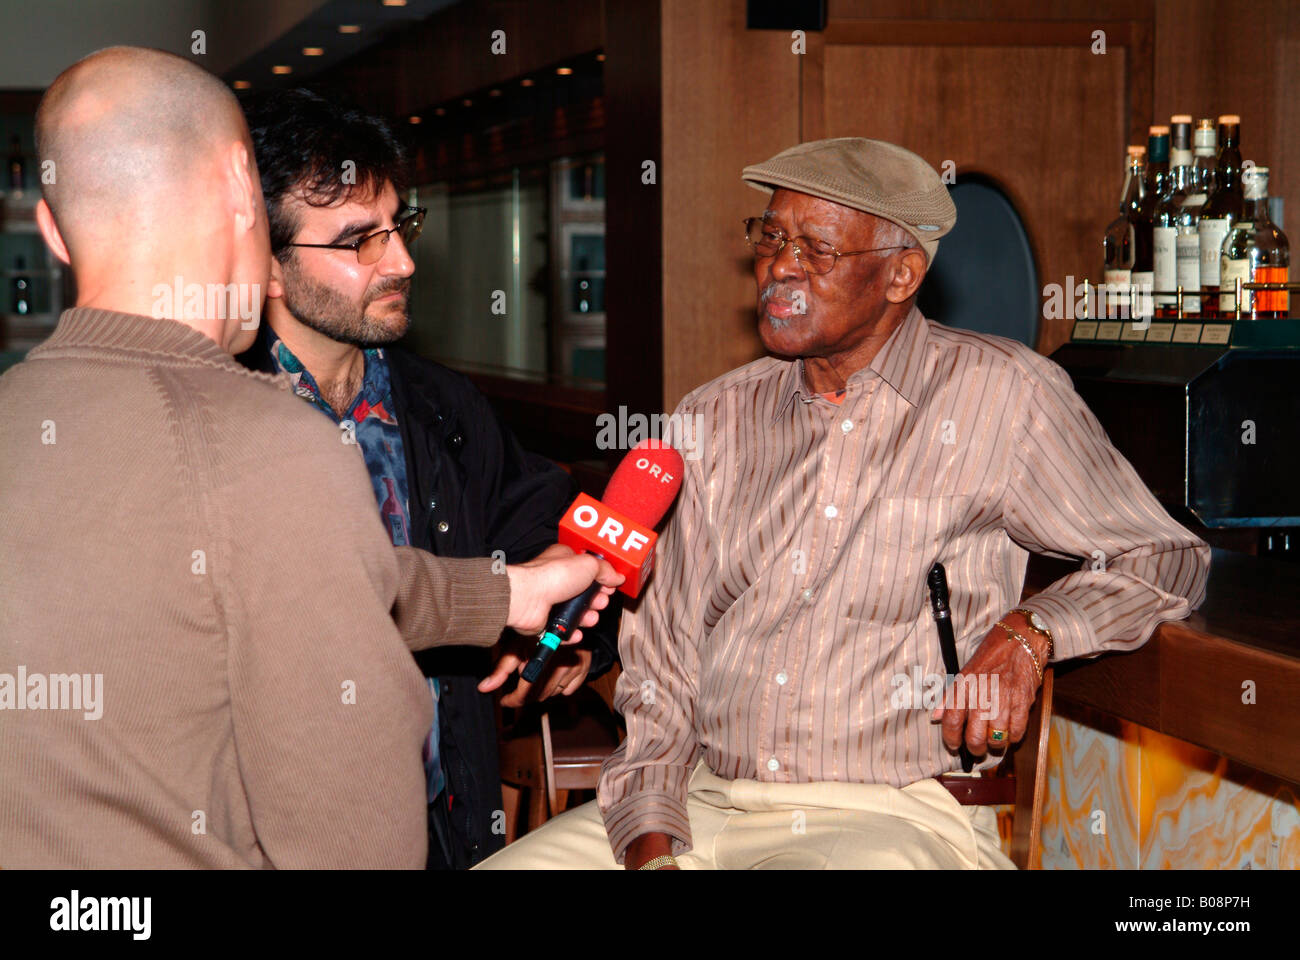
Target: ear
275, 285
50, 231
909, 271
245, 191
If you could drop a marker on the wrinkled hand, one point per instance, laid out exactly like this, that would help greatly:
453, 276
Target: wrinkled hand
1012, 686
566, 672
556, 575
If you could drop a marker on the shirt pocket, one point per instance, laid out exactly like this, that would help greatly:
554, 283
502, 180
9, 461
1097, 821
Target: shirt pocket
896, 543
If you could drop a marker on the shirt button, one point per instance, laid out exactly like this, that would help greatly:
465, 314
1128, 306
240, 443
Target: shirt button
774, 765
846, 426
433, 504
807, 594
781, 679
831, 512
443, 526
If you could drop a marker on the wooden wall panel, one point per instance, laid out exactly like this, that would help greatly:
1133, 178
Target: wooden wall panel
1057, 153
716, 120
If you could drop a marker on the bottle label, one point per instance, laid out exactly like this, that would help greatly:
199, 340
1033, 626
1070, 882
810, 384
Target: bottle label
1188, 248
1166, 263
1230, 271
1117, 293
1273, 300
1210, 234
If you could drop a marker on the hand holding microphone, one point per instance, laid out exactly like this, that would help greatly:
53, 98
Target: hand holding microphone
619, 531
537, 585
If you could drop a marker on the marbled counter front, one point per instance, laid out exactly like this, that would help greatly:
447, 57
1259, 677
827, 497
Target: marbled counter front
1185, 753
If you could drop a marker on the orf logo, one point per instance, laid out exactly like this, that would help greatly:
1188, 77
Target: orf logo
590, 526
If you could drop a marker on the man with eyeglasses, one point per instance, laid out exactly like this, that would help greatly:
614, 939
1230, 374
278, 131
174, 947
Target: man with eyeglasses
448, 475
781, 670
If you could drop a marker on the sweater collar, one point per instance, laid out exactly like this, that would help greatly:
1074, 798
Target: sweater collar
80, 327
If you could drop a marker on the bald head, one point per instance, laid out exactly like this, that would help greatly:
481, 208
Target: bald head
154, 188
130, 131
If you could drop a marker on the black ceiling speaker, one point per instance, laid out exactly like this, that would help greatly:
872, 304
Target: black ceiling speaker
785, 14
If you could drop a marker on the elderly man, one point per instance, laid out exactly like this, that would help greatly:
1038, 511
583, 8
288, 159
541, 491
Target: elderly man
762, 666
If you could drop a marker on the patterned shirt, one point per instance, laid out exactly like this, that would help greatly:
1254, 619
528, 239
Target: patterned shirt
789, 610
371, 425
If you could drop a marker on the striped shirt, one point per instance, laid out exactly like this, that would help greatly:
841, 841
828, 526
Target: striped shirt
789, 617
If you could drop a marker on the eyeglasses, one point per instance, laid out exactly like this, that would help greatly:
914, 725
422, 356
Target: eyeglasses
371, 248
817, 257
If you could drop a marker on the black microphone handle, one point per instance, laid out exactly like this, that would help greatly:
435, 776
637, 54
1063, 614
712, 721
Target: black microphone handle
564, 617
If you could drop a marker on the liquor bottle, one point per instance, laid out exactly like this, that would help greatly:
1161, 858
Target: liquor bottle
1120, 241
17, 165
1222, 209
1170, 235
1205, 148
22, 288
1134, 150
1255, 251
1153, 187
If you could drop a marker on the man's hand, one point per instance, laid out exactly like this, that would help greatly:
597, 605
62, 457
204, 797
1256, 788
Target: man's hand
1012, 685
566, 672
552, 578
646, 847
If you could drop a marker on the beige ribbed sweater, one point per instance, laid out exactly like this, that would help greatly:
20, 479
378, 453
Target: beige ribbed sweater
201, 539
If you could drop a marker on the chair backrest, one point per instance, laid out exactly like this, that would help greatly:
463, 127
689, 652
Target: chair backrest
984, 278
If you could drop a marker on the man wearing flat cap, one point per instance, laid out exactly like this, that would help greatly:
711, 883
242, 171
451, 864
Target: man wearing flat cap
769, 667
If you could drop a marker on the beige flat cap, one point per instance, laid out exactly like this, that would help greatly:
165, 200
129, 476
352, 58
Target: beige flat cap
869, 175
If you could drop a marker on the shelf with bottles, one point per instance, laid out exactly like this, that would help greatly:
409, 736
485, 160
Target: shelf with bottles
1253, 314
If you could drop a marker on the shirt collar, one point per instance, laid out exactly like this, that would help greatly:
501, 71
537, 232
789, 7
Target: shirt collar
899, 363
375, 383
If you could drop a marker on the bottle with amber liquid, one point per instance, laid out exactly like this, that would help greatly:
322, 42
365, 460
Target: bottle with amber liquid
1221, 210
1255, 251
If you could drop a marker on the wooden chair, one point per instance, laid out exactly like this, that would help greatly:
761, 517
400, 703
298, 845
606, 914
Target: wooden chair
555, 748
1020, 779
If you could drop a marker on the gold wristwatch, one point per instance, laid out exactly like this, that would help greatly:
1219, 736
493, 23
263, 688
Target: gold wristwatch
1039, 626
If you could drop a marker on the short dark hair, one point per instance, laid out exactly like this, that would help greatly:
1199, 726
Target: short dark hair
303, 141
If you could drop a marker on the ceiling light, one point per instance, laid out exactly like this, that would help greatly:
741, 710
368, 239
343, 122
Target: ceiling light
564, 71
349, 28
414, 119
441, 111
467, 102
313, 51
527, 82
600, 57
394, 3
241, 84
494, 93
281, 69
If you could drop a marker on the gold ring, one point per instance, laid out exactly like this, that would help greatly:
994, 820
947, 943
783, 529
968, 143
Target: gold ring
997, 736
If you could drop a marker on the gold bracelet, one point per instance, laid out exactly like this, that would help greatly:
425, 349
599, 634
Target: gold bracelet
667, 860
1028, 649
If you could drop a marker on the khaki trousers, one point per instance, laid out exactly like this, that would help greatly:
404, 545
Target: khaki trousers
748, 825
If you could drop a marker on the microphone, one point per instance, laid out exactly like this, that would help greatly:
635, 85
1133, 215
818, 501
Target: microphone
619, 529
937, 580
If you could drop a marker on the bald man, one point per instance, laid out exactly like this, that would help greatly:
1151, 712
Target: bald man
197, 596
